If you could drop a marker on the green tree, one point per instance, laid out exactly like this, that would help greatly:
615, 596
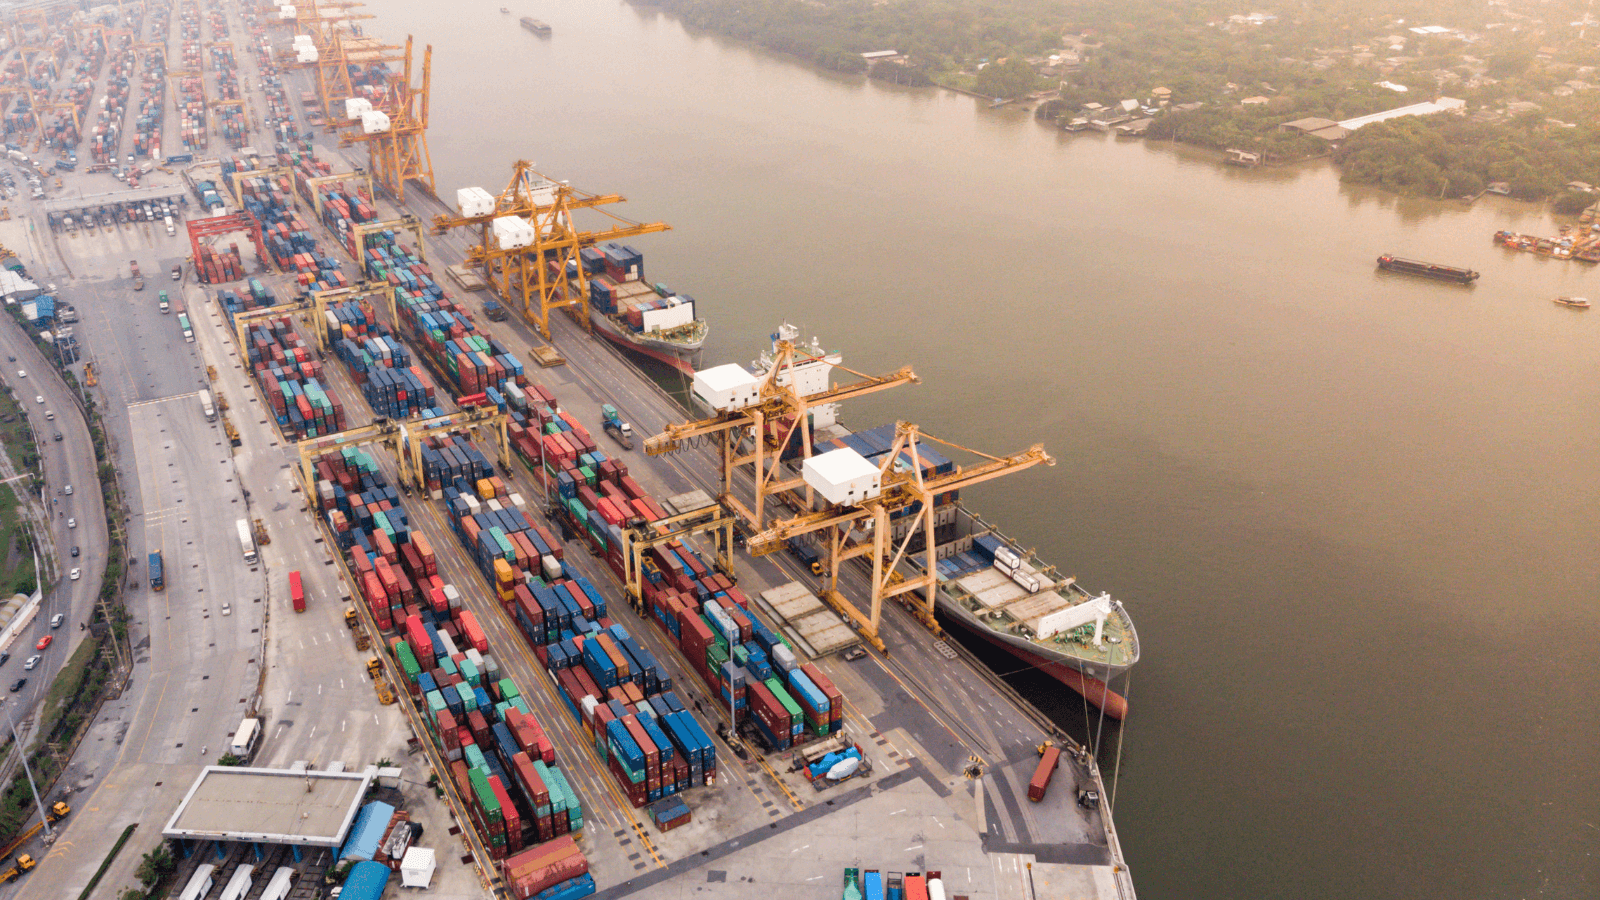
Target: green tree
1008, 80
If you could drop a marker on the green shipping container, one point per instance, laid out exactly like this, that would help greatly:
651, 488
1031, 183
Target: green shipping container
508, 689
782, 693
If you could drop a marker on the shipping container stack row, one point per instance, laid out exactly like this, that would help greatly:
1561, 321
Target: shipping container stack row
618, 289
378, 362
227, 77
738, 657
255, 296
877, 885
214, 266
342, 210
192, 112
557, 870
288, 240
292, 380
609, 681
106, 138
501, 759
466, 361
280, 114
152, 106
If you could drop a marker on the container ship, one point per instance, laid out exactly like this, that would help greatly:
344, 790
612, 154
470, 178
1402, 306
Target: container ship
988, 584
1456, 274
651, 321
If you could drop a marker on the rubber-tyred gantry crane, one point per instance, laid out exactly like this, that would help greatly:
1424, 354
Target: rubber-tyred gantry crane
531, 273
904, 490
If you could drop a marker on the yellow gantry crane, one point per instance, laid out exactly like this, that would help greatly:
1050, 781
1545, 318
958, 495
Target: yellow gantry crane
771, 425
899, 510
397, 149
530, 272
405, 440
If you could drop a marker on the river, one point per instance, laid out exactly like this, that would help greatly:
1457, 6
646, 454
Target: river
1352, 514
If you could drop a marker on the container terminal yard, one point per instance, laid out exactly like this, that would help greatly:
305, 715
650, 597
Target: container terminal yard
401, 556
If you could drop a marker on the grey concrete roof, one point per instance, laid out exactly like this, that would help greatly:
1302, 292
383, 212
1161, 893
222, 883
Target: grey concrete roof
280, 806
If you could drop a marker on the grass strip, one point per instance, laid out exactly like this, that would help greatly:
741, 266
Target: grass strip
110, 857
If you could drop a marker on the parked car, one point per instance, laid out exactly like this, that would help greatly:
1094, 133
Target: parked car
74, 551
72, 523
67, 490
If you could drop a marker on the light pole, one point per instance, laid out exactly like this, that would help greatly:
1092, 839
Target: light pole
43, 817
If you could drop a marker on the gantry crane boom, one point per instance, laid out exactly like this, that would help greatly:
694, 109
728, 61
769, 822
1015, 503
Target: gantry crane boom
786, 410
397, 148
900, 491
533, 275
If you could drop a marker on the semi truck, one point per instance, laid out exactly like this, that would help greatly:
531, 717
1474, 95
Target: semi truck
620, 431
247, 543
297, 592
207, 407
158, 581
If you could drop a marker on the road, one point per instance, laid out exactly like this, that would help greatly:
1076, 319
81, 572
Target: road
69, 461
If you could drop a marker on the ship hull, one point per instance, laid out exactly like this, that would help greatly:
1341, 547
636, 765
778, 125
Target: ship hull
1061, 667
683, 357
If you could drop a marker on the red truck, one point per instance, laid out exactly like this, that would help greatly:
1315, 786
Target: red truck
297, 594
1041, 776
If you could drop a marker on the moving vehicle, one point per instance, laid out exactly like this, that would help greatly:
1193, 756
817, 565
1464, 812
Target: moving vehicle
74, 551
157, 575
44, 643
72, 523
207, 407
58, 437
227, 609
297, 592
31, 662
21, 374
620, 431
245, 738
49, 415
76, 574
67, 490
4, 658
177, 272
247, 542
38, 399
165, 306
18, 685
57, 619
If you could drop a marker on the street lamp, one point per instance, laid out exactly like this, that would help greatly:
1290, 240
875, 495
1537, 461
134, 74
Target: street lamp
43, 816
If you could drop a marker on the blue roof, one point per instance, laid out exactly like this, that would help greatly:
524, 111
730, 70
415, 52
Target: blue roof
367, 879
367, 831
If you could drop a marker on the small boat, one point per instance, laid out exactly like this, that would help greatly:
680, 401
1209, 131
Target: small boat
1574, 302
505, 9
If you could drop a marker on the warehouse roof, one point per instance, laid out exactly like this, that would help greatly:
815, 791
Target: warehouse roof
278, 806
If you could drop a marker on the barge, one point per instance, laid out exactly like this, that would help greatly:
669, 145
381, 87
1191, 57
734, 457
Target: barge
1435, 271
534, 25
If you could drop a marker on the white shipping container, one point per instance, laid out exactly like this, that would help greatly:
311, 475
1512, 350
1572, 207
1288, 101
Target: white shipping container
307, 55
286, 12
671, 317
512, 232
354, 107
374, 122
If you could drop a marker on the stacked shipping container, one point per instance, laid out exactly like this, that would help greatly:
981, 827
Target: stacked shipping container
291, 379
378, 362
500, 758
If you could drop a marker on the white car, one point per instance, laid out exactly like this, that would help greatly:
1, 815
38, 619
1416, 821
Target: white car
227, 609
21, 374
38, 400
32, 661
58, 618
72, 523
67, 490
76, 574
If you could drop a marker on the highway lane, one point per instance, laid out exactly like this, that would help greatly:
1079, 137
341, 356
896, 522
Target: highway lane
69, 461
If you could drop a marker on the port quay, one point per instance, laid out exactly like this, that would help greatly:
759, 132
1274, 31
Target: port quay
432, 584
